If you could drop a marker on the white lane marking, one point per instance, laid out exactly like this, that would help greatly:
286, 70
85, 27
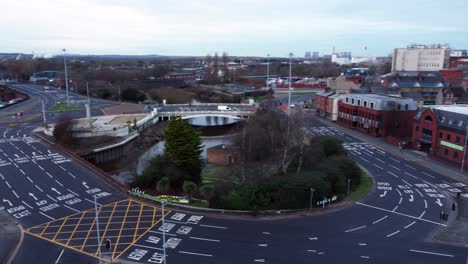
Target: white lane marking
425, 204
60, 256
411, 175
59, 183
22, 171
354, 229
219, 227
92, 201
377, 166
50, 197
398, 213
401, 199
158, 232
138, 245
396, 168
312, 250
266, 233
362, 244
72, 192
411, 199
262, 245
427, 174
25, 203
394, 159
71, 174
9, 186
73, 209
394, 175
40, 167
380, 160
412, 223
206, 239
63, 168
423, 213
409, 184
196, 254
375, 222
365, 257
394, 209
29, 179
259, 260
16, 165
394, 233
364, 159
419, 193
47, 216
313, 238
1, 175
383, 195
410, 167
439, 202
48, 174
431, 253
37, 187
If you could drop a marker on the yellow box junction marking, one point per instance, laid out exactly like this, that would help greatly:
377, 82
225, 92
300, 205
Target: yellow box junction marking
123, 223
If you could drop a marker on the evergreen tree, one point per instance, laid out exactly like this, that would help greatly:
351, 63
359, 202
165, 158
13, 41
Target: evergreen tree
183, 148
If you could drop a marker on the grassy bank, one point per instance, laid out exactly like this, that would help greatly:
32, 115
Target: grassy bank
61, 107
363, 189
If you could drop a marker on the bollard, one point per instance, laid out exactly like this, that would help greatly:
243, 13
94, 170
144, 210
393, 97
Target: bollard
458, 195
441, 216
454, 206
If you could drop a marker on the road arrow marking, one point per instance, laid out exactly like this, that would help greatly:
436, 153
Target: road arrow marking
32, 195
383, 195
262, 245
411, 199
439, 202
55, 190
85, 185
8, 202
259, 260
266, 233
313, 238
311, 250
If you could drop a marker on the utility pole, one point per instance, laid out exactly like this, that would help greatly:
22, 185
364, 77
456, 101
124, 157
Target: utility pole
66, 73
109, 245
164, 231
268, 70
349, 183
97, 229
44, 113
311, 197
290, 78
87, 93
462, 169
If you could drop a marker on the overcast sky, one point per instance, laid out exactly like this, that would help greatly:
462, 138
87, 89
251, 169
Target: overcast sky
239, 27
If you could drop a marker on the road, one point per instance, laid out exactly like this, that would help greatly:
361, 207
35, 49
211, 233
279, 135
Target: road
51, 195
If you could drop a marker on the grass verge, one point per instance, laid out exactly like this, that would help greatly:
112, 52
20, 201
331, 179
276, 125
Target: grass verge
363, 189
61, 107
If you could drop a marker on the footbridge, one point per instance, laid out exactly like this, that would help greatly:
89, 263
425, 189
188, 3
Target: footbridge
187, 111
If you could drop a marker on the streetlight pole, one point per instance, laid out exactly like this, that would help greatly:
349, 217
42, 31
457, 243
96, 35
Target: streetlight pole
66, 73
311, 197
290, 78
462, 169
97, 229
349, 183
268, 70
44, 113
109, 242
164, 231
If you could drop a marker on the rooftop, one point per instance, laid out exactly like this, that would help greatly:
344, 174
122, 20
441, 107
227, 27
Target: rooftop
458, 109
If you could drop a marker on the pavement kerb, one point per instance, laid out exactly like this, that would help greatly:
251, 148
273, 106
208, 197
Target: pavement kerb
428, 163
11, 256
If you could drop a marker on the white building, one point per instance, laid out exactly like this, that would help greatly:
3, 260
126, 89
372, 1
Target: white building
421, 58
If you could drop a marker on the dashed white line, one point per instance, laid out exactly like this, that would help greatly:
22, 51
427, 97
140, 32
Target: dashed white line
409, 184
380, 160
47, 216
394, 233
38, 188
411, 175
423, 213
412, 223
375, 222
9, 186
73, 209
72, 192
427, 174
206, 239
59, 183
394, 159
17, 196
394, 175
62, 168
29, 179
92, 201
354, 229
362, 244
365, 257
25, 203
196, 254
71, 174
396, 168
40, 167
48, 174
431, 253
22, 171
364, 159
413, 168
1, 175
50, 197
16, 165
377, 166
419, 193
157, 232
218, 227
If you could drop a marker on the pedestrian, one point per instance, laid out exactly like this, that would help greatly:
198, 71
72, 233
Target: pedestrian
454, 206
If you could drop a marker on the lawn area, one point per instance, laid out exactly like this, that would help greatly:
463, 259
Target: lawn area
363, 189
60, 107
209, 175
303, 93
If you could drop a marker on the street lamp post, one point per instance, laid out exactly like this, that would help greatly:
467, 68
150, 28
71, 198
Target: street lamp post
349, 183
109, 244
268, 70
97, 229
164, 231
311, 197
462, 169
66, 73
290, 78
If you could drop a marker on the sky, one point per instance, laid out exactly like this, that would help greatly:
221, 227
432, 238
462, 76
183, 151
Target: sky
238, 27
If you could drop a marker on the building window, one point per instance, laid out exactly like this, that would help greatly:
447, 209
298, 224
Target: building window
445, 152
448, 137
428, 118
455, 155
417, 128
441, 135
437, 149
427, 132
372, 105
399, 107
406, 106
457, 140
352, 101
358, 102
347, 99
365, 103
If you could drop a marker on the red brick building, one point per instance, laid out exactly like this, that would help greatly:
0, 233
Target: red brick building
378, 115
456, 62
440, 131
222, 155
321, 100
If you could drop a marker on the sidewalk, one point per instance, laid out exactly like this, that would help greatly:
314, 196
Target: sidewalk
10, 238
406, 154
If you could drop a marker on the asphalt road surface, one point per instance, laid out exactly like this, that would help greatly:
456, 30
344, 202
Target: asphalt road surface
52, 196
